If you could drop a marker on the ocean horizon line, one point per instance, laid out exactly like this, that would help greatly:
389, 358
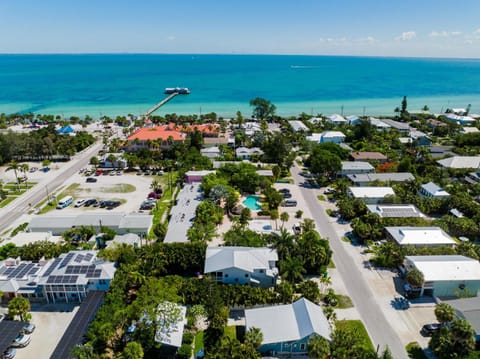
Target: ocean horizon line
236, 54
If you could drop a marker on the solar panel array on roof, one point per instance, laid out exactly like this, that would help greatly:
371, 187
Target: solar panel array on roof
88, 257
67, 259
94, 273
21, 271
399, 212
79, 269
62, 279
79, 258
52, 267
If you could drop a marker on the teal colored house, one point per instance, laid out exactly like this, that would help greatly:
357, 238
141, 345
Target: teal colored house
287, 328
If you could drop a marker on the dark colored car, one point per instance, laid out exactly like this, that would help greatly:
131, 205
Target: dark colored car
289, 203
430, 329
91, 180
286, 194
111, 204
90, 202
284, 190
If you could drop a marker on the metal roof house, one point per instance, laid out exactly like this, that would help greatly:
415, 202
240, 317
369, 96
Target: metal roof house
67, 278
446, 276
245, 153
457, 162
468, 309
336, 119
298, 126
395, 210
370, 195
355, 167
367, 178
242, 265
419, 236
287, 328
369, 156
120, 222
431, 190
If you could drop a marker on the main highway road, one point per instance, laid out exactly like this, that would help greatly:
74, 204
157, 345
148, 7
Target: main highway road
377, 325
50, 184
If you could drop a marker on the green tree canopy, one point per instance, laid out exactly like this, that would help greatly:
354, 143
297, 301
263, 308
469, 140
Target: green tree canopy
262, 108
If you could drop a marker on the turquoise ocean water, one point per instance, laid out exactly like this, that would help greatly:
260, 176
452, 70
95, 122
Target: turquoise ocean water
121, 84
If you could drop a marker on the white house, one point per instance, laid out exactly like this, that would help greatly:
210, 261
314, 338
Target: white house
171, 320
298, 126
242, 265
67, 278
245, 153
370, 195
336, 119
287, 328
119, 161
419, 236
431, 190
315, 137
355, 167
459, 120
120, 222
379, 124
466, 130
211, 152
366, 179
460, 162
332, 136
446, 276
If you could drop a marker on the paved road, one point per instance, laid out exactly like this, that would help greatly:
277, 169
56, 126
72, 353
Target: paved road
358, 289
20, 205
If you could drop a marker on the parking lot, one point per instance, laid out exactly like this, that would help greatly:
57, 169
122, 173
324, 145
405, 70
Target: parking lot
128, 188
51, 322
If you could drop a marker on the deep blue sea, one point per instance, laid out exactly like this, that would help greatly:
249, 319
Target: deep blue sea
121, 84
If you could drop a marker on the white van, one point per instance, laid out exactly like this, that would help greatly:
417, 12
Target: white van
65, 202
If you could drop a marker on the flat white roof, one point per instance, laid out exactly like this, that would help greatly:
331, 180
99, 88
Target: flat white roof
420, 235
371, 192
445, 268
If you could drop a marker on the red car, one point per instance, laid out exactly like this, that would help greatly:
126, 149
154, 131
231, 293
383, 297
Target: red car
154, 195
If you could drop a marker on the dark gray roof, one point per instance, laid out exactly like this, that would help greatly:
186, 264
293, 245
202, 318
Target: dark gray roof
468, 308
9, 330
78, 326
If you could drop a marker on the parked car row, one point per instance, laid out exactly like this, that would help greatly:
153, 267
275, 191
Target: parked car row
108, 204
148, 172
108, 173
21, 341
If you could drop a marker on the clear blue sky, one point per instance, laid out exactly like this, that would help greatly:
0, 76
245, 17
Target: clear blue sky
432, 28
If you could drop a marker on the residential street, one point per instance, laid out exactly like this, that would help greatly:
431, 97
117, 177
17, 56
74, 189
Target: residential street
378, 327
53, 180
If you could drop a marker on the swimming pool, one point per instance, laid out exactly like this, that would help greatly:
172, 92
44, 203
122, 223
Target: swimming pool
252, 203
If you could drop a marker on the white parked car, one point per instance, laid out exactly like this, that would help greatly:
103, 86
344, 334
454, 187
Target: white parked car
80, 203
22, 340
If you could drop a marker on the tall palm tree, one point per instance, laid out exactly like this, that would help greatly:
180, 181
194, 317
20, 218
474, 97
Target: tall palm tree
24, 167
13, 165
284, 217
444, 313
283, 243
291, 269
462, 335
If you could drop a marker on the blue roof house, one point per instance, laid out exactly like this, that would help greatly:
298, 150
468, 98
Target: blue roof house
65, 130
288, 328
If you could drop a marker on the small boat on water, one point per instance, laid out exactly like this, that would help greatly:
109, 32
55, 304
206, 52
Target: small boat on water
179, 90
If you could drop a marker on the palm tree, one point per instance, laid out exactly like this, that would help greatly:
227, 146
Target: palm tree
462, 334
284, 218
444, 313
325, 281
283, 243
318, 347
291, 269
254, 337
13, 165
24, 167
19, 307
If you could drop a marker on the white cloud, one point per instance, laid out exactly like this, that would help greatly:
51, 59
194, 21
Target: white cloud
476, 34
368, 40
445, 33
406, 35
171, 38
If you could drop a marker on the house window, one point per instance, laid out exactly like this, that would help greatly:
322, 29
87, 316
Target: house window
302, 346
246, 275
102, 282
226, 275
261, 270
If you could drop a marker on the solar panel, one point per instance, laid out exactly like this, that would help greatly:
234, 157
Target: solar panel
67, 259
8, 271
79, 258
88, 257
52, 267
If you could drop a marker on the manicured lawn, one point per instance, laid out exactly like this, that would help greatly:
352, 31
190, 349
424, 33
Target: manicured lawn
344, 301
6, 201
415, 351
321, 197
198, 342
358, 326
